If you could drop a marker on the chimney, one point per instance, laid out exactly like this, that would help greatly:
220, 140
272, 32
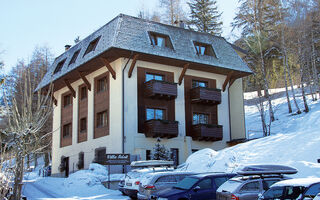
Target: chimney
67, 47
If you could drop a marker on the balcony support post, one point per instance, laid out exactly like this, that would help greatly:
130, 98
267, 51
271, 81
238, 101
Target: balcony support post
185, 67
85, 80
66, 81
228, 78
106, 62
135, 57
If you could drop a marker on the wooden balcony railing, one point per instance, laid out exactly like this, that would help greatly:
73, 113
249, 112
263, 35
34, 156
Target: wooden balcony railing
207, 132
205, 95
160, 89
161, 128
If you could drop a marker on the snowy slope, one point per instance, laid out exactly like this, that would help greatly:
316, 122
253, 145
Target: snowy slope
295, 141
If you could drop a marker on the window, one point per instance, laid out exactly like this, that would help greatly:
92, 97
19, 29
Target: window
196, 83
83, 125
293, 192
219, 181
92, 46
273, 193
205, 184
154, 77
268, 183
152, 113
199, 118
160, 40
194, 150
59, 66
74, 57
83, 93
250, 187
313, 190
204, 49
166, 179
66, 130
102, 84
102, 119
67, 100
148, 155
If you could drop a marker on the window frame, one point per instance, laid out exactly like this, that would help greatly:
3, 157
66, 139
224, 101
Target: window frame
74, 57
208, 49
198, 85
99, 114
154, 76
81, 125
98, 88
167, 43
59, 66
69, 125
164, 113
67, 96
198, 120
82, 89
92, 46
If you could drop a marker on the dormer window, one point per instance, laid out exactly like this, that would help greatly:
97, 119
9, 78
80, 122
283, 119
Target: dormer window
74, 57
92, 46
160, 40
204, 49
59, 66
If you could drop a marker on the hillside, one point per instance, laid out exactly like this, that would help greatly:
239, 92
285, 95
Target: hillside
295, 141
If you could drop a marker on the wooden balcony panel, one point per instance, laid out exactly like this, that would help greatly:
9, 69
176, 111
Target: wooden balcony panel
160, 90
161, 128
207, 132
205, 95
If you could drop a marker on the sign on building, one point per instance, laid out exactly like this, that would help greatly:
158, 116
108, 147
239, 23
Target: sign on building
117, 159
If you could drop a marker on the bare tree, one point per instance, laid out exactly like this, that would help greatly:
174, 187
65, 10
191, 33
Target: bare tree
26, 117
173, 11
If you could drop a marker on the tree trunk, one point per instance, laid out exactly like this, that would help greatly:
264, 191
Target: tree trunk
292, 90
306, 107
46, 159
28, 161
17, 189
314, 68
35, 155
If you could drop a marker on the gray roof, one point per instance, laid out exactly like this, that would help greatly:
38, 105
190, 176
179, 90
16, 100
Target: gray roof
131, 33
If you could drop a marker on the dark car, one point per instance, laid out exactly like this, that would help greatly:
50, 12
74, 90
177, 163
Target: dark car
201, 186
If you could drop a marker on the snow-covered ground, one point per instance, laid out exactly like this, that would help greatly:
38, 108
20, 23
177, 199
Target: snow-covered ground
294, 141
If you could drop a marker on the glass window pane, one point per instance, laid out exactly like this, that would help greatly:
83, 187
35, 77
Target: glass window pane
149, 77
195, 119
160, 41
205, 184
202, 50
159, 114
202, 84
158, 77
150, 114
273, 193
219, 181
313, 190
253, 186
153, 40
198, 49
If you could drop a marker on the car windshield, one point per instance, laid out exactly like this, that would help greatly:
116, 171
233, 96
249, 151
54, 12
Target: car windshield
186, 183
229, 186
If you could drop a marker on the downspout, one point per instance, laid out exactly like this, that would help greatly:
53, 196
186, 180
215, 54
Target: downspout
123, 77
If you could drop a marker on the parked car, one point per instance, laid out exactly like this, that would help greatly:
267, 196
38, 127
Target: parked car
154, 182
252, 181
317, 197
130, 184
299, 188
201, 186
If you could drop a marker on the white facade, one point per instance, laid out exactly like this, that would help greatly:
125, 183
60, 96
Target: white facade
136, 143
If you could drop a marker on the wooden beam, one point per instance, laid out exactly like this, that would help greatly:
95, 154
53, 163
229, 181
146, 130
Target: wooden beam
66, 81
106, 62
227, 81
85, 80
185, 67
232, 81
135, 57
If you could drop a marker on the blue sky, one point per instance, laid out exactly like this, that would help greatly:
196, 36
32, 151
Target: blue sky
25, 24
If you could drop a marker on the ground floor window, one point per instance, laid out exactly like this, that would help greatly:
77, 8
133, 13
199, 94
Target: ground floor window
81, 160
100, 155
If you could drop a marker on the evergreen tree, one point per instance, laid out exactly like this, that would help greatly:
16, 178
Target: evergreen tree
160, 152
205, 16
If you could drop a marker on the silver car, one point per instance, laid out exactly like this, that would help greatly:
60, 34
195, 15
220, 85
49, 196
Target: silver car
246, 188
154, 182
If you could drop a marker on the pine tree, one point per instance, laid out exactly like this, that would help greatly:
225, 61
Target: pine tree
205, 16
160, 152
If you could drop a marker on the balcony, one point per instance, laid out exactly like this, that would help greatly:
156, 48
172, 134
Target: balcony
207, 132
160, 90
205, 95
161, 128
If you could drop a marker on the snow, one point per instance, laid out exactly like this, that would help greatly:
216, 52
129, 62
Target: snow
306, 182
294, 141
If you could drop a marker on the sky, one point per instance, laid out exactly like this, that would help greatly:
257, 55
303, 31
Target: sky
27, 24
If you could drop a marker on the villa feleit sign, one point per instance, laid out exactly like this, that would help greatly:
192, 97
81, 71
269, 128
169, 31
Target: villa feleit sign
117, 159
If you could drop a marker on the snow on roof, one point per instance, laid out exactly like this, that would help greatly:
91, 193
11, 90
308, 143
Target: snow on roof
150, 163
306, 182
132, 34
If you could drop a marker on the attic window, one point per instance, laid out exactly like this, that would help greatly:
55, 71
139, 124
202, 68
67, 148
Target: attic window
74, 57
160, 40
92, 45
59, 66
204, 49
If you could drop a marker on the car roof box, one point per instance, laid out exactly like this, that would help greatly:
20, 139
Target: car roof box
267, 169
151, 163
